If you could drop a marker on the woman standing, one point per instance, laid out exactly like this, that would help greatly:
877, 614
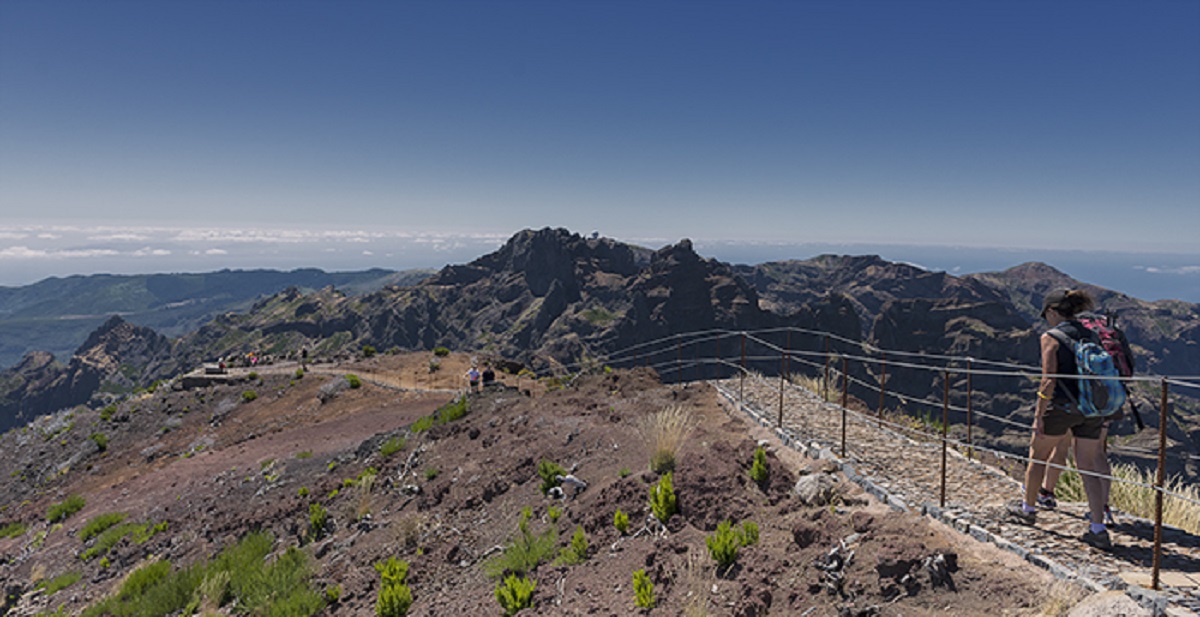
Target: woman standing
1056, 414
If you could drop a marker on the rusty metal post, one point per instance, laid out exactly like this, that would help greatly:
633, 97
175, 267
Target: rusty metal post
845, 383
1159, 478
882, 388
783, 376
742, 381
970, 444
825, 395
945, 423
679, 359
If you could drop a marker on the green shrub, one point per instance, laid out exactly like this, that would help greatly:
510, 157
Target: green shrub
299, 374
108, 412
441, 352
431, 473
723, 545
333, 594
318, 518
353, 380
61, 511
749, 536
451, 411
554, 512
395, 597
643, 590
621, 521
662, 499
239, 575
422, 424
368, 351
140, 533
549, 471
100, 523
60, 582
252, 375
302, 492
525, 551
515, 594
577, 551
13, 530
624, 473
249, 395
393, 601
758, 468
392, 446
304, 454
100, 439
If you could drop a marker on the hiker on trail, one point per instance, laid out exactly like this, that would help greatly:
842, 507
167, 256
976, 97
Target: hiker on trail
473, 378
489, 376
1117, 345
1056, 414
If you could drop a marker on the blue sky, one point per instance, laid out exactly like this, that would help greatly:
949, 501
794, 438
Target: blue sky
1011, 125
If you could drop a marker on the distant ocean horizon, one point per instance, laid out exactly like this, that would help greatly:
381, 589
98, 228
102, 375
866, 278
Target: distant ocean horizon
30, 254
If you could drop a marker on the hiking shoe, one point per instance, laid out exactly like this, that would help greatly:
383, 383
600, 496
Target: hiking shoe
1046, 499
1016, 511
1098, 540
1108, 516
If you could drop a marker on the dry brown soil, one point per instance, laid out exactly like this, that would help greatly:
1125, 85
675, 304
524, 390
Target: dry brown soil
451, 500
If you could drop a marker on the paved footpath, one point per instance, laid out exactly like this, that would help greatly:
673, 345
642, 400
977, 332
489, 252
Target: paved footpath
907, 474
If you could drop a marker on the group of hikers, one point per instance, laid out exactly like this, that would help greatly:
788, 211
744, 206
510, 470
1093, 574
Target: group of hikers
477, 379
1077, 410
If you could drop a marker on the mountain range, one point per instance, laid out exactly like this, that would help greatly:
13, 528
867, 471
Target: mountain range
550, 298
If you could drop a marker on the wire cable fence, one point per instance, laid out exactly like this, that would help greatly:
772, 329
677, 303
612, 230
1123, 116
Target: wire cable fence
895, 379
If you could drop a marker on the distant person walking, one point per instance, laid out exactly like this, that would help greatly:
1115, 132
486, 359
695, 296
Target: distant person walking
489, 375
1056, 414
473, 376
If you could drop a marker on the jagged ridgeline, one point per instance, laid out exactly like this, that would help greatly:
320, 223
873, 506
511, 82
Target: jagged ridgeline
551, 298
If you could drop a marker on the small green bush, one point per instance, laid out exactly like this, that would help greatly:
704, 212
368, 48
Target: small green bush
318, 518
249, 395
354, 381
525, 551
577, 552
302, 492
13, 530
393, 601
422, 424
100, 523
431, 473
369, 351
108, 412
621, 521
549, 471
252, 375
662, 499
299, 374
451, 411
515, 594
554, 512
624, 473
758, 468
441, 352
643, 590
100, 439
723, 545
60, 582
392, 446
749, 536
395, 597
61, 511
304, 454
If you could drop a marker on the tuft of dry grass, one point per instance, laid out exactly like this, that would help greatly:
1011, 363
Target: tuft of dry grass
1129, 495
408, 530
664, 433
1061, 597
363, 504
694, 586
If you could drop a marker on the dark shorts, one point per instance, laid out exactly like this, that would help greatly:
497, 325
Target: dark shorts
1058, 421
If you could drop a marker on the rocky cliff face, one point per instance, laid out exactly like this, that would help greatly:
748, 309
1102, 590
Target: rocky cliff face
118, 357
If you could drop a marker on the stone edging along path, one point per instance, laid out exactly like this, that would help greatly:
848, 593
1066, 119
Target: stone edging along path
906, 474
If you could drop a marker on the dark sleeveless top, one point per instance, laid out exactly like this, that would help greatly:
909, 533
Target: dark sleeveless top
1066, 389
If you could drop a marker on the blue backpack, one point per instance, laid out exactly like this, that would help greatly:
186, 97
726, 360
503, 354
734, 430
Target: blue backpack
1102, 394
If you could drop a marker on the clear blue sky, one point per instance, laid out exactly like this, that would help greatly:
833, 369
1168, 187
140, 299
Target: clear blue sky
979, 123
